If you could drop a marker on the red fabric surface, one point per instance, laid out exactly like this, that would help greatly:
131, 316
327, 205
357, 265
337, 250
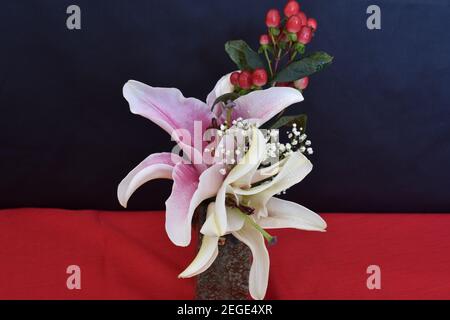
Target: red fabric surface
127, 255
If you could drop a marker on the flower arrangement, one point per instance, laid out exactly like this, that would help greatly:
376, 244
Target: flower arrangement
229, 160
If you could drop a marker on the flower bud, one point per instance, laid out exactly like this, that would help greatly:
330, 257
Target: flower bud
312, 23
264, 40
259, 77
291, 8
294, 24
234, 78
303, 18
245, 80
273, 18
301, 83
305, 35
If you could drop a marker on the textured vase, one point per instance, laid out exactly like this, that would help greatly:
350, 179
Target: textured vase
227, 277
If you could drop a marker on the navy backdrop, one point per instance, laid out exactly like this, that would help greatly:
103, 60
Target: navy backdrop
379, 117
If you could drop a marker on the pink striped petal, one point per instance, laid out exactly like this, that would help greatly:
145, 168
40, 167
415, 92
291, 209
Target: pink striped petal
169, 109
158, 165
262, 105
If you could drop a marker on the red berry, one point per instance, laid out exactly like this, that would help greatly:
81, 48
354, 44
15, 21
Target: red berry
234, 78
301, 83
303, 18
305, 35
273, 18
291, 8
294, 24
245, 80
312, 23
264, 40
259, 77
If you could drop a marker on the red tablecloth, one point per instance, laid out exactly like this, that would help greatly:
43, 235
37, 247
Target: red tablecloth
127, 255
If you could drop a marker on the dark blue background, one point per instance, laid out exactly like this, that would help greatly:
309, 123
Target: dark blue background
379, 117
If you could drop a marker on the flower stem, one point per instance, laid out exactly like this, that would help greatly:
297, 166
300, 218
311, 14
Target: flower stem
269, 63
277, 60
293, 56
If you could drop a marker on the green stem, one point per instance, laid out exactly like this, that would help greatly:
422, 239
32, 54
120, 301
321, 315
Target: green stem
273, 40
293, 57
277, 60
269, 63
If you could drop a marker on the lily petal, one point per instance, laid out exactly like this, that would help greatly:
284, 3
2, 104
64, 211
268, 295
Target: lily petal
168, 108
287, 214
295, 170
243, 172
155, 166
268, 172
209, 183
265, 104
178, 220
247, 165
222, 87
292, 171
205, 257
210, 227
259, 271
235, 221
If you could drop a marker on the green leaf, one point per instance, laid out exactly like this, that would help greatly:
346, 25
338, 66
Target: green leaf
243, 56
300, 120
225, 98
305, 67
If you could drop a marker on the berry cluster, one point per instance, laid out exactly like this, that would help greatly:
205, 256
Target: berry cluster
297, 27
283, 44
247, 80
287, 38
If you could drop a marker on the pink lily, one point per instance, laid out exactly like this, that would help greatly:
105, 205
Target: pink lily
187, 119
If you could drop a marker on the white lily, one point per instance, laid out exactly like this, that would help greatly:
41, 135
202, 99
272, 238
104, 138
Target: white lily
269, 212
